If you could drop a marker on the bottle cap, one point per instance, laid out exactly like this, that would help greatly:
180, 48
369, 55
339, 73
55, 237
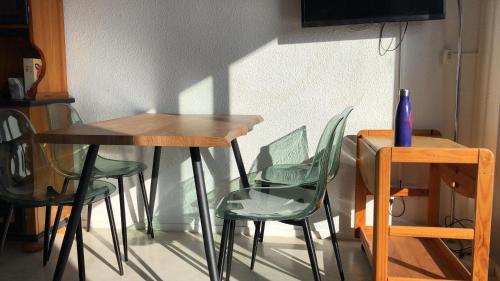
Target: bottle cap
404, 93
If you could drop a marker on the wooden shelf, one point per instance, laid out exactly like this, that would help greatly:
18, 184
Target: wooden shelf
36, 102
42, 38
14, 30
418, 258
14, 26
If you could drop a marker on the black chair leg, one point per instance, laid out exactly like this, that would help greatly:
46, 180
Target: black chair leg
6, 224
46, 232
57, 220
263, 227
333, 234
55, 227
79, 249
123, 216
263, 224
114, 234
89, 216
232, 226
311, 250
149, 216
256, 238
223, 249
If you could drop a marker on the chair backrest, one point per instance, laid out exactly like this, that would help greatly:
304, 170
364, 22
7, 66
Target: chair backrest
63, 115
68, 159
17, 154
327, 156
289, 149
334, 162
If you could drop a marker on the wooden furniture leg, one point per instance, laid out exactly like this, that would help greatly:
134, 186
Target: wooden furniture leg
483, 213
381, 223
360, 197
434, 194
359, 203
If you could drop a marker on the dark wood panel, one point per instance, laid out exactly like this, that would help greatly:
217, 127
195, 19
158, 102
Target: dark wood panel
12, 51
31, 102
47, 34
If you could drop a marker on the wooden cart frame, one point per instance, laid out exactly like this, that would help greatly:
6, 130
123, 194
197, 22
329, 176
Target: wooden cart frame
411, 253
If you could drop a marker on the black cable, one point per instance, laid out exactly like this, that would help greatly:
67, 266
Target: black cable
402, 211
402, 201
455, 222
462, 251
386, 50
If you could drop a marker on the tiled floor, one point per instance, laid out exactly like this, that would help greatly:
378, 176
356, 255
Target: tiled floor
180, 256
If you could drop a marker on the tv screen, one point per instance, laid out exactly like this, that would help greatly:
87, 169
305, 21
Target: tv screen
339, 12
13, 11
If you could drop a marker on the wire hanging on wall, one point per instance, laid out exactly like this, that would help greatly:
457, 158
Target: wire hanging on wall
458, 91
384, 50
451, 220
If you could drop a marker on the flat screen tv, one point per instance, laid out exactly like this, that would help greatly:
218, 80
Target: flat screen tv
13, 11
341, 12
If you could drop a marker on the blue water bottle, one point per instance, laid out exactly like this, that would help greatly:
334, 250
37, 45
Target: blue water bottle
404, 120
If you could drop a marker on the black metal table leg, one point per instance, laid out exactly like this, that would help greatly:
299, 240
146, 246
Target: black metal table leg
76, 211
146, 205
239, 163
154, 182
80, 252
206, 226
241, 170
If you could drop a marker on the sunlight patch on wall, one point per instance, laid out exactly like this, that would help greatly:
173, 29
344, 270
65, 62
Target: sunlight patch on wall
198, 99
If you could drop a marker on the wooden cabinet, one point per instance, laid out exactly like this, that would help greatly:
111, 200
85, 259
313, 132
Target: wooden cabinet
47, 35
42, 37
399, 252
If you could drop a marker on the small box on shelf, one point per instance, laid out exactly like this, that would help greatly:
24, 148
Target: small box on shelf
32, 72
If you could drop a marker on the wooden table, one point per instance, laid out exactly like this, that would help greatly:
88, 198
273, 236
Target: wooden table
189, 131
417, 252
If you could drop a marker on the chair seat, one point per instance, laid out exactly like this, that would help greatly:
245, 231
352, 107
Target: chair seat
108, 168
287, 174
97, 191
268, 204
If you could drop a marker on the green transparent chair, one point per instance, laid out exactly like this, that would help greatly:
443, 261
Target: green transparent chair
291, 204
63, 116
303, 174
17, 189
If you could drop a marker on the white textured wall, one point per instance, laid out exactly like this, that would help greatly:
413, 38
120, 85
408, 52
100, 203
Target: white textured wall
243, 57
488, 105
433, 85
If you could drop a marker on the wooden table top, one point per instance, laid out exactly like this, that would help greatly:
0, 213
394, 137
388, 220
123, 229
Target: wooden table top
379, 142
424, 149
157, 130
